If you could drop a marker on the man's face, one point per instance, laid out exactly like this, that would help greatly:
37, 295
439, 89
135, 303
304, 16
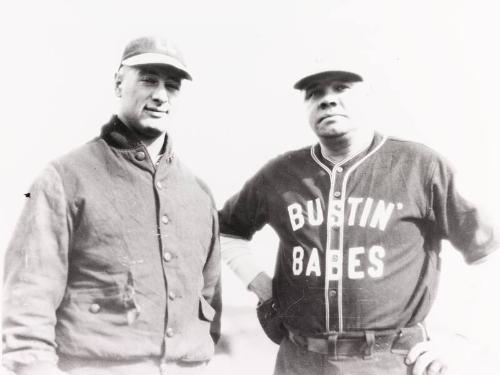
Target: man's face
146, 94
333, 107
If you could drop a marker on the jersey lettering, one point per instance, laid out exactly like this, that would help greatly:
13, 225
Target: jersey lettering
366, 212
336, 214
353, 202
314, 214
298, 257
353, 272
315, 218
313, 265
333, 265
296, 217
375, 256
362, 212
381, 215
358, 259
377, 219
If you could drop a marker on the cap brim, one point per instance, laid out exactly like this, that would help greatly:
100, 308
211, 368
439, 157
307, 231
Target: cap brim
340, 75
157, 59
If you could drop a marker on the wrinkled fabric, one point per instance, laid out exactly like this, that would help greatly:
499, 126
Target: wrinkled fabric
114, 259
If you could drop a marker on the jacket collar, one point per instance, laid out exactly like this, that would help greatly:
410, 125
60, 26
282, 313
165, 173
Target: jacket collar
118, 135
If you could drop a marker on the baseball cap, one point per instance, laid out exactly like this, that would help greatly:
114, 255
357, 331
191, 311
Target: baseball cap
153, 50
321, 69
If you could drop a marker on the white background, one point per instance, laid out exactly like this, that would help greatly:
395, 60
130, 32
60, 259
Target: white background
434, 78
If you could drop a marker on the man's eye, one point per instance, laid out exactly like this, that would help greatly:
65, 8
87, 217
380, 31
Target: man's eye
172, 87
341, 87
149, 79
315, 93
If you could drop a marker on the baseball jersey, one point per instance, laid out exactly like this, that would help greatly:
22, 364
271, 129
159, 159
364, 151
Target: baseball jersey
359, 240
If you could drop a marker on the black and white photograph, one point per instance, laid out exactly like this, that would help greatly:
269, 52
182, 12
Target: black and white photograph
250, 187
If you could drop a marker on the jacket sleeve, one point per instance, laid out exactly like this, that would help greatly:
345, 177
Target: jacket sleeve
212, 279
35, 273
466, 225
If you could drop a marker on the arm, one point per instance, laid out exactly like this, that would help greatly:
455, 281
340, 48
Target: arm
243, 214
212, 280
36, 268
474, 234
237, 254
456, 354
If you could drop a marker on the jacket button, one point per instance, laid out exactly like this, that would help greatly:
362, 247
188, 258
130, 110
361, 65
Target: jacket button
332, 293
340, 170
337, 194
164, 219
140, 155
94, 308
159, 184
171, 296
167, 257
170, 332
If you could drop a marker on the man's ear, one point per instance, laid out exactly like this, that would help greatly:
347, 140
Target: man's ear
118, 83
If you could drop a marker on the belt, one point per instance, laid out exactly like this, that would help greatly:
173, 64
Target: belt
362, 343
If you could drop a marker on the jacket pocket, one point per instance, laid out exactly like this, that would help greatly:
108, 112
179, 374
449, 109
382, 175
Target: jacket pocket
113, 305
207, 312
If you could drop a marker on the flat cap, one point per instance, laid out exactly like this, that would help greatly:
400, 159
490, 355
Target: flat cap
153, 50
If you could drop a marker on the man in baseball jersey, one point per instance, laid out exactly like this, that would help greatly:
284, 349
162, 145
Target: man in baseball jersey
360, 218
114, 265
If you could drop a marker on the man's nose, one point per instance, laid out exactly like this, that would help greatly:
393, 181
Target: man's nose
160, 94
329, 101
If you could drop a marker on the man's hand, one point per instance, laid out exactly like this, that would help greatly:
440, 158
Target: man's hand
426, 359
446, 353
262, 286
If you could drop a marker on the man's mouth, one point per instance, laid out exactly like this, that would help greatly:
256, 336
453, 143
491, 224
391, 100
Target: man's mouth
155, 112
330, 116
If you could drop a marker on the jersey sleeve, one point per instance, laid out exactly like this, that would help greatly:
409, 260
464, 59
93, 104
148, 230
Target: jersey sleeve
457, 219
247, 211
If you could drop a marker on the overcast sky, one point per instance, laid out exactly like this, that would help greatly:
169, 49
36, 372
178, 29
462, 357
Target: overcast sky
433, 68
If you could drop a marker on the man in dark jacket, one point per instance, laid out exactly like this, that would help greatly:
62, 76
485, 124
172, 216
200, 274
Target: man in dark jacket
114, 265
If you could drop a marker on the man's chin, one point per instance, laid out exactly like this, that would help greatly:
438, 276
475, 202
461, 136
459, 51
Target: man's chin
148, 132
332, 135
339, 131
155, 128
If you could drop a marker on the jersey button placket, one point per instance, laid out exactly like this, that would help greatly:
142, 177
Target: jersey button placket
334, 298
